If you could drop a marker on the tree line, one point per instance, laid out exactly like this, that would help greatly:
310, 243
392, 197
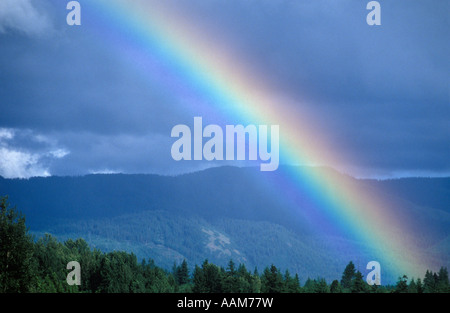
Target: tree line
28, 265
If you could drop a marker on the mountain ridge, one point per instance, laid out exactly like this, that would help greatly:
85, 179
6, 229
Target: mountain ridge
169, 218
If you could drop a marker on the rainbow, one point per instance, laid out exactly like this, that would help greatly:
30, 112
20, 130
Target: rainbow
190, 60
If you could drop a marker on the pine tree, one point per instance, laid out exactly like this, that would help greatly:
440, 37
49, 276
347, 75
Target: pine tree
310, 286
213, 278
41, 267
255, 282
244, 279
199, 280
174, 270
291, 284
335, 287
419, 286
348, 276
16, 249
429, 282
321, 286
230, 282
412, 288
297, 283
272, 280
358, 283
183, 273
231, 268
442, 281
402, 284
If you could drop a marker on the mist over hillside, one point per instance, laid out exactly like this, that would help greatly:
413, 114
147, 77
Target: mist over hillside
221, 214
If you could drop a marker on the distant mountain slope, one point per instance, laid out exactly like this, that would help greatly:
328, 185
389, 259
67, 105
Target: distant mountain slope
214, 194
220, 213
167, 238
425, 192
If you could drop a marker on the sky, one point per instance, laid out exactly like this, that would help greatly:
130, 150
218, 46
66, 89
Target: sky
71, 104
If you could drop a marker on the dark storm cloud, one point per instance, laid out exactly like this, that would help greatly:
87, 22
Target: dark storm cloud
76, 86
383, 90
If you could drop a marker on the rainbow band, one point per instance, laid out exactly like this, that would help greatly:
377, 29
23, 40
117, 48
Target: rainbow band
185, 58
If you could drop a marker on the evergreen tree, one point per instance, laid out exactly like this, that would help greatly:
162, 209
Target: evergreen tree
41, 267
297, 282
244, 279
429, 282
16, 250
442, 281
348, 275
174, 270
335, 287
213, 279
412, 288
182, 274
255, 282
291, 284
272, 280
79, 250
436, 282
419, 286
310, 286
119, 273
231, 268
199, 280
321, 286
402, 284
358, 284
230, 282
161, 283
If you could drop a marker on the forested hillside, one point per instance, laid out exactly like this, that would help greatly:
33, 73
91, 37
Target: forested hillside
29, 265
221, 214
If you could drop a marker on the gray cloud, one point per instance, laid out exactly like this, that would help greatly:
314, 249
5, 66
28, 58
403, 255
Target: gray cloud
23, 16
383, 92
24, 154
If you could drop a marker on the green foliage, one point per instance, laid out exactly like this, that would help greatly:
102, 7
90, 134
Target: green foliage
442, 284
291, 284
272, 280
182, 273
436, 282
316, 286
15, 250
335, 287
402, 285
348, 276
412, 288
419, 286
40, 266
117, 210
358, 285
